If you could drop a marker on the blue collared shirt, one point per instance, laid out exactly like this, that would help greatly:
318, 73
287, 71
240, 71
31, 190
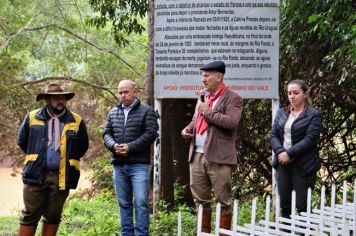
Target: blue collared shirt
127, 109
54, 156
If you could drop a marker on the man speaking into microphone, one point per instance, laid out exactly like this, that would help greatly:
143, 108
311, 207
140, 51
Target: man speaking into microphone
212, 153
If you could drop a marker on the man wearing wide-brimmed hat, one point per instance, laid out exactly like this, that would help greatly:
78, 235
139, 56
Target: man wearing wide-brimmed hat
53, 139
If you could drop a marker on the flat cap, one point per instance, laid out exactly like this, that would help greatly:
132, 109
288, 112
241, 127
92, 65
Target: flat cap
218, 66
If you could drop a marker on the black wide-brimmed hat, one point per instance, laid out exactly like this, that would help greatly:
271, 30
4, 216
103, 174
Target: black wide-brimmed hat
218, 66
54, 89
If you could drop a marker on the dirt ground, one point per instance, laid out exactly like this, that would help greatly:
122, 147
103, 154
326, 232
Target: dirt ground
11, 190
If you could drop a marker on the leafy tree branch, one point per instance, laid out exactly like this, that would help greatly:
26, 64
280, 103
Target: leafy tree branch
102, 49
68, 78
7, 39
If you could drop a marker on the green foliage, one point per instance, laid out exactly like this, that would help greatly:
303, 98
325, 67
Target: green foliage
167, 220
123, 15
254, 150
9, 225
178, 191
55, 41
12, 102
102, 177
96, 216
81, 217
245, 209
99, 216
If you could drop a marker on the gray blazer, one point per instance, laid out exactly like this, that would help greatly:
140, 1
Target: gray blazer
220, 144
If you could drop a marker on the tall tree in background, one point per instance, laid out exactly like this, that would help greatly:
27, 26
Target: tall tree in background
127, 18
124, 16
52, 39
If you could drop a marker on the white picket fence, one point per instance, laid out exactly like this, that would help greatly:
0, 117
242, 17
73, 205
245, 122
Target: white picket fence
336, 219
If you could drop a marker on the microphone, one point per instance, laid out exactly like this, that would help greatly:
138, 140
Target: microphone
202, 95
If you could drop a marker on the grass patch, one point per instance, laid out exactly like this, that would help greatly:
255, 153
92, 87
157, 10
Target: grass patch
96, 216
9, 225
100, 216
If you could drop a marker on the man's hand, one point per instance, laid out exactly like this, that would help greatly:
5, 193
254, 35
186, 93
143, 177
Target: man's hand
121, 149
116, 148
202, 106
186, 134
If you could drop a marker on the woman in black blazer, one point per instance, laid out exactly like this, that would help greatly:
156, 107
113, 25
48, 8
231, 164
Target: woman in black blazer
294, 138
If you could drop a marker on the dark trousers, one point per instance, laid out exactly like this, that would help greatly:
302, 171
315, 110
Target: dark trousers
291, 178
43, 200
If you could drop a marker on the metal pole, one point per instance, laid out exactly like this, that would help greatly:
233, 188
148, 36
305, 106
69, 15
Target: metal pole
275, 107
179, 223
157, 160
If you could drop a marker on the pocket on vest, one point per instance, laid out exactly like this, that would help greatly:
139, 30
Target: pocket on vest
73, 173
32, 170
72, 149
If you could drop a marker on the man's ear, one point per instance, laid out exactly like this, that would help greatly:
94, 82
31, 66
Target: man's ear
135, 90
220, 77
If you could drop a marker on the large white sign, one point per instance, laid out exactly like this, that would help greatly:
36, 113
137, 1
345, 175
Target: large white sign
244, 34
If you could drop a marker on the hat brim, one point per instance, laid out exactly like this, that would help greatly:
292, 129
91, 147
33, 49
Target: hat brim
218, 66
215, 70
42, 96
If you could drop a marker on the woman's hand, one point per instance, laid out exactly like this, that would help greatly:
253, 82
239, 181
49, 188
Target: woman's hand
284, 159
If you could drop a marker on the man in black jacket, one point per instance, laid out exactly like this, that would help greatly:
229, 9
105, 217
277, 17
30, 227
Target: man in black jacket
130, 129
53, 139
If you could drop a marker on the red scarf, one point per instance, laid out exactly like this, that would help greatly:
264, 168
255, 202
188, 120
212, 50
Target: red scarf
202, 125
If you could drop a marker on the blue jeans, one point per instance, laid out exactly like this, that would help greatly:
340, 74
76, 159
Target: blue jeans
131, 181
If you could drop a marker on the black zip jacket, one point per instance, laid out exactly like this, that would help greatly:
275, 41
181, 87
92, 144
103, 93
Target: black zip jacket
305, 134
139, 133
